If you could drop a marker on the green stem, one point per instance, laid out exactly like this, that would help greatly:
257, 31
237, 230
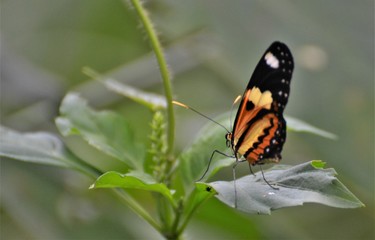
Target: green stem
186, 219
84, 168
163, 70
164, 213
177, 220
165, 75
138, 209
124, 197
90, 171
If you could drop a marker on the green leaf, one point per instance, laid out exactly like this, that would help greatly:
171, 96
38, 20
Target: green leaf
318, 164
132, 180
105, 130
202, 192
150, 100
297, 125
296, 185
39, 147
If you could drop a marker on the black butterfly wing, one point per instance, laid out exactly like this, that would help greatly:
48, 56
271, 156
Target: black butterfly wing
274, 73
259, 130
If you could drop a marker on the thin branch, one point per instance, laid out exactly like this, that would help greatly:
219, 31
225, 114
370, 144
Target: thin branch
165, 74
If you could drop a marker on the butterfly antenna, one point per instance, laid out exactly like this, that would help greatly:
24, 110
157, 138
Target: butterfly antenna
192, 109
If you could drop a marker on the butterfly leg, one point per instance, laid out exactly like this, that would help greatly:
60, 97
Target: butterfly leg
275, 188
209, 162
234, 180
251, 170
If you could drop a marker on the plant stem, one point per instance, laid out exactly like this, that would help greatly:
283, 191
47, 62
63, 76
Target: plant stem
164, 211
186, 219
90, 171
177, 220
84, 168
165, 74
129, 201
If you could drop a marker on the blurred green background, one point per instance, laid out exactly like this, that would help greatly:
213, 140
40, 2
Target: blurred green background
212, 48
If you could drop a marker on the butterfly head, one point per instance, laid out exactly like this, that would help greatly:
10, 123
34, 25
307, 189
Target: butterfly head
228, 138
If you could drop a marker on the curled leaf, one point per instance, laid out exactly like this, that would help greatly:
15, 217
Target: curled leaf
40, 147
36, 147
150, 100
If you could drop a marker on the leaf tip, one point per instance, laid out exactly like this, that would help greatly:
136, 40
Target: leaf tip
319, 164
205, 187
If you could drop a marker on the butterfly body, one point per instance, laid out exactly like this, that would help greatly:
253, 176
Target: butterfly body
259, 130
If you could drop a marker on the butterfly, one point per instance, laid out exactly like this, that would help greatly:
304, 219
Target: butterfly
259, 130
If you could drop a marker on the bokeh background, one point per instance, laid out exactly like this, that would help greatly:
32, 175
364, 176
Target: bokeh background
212, 48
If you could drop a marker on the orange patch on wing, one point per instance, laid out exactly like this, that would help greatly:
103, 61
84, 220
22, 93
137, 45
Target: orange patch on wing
266, 141
259, 130
260, 101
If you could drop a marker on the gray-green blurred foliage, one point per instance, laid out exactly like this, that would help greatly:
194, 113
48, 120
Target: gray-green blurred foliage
212, 48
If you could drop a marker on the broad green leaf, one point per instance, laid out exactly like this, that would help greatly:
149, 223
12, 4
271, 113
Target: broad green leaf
297, 125
39, 147
201, 193
296, 185
150, 100
105, 130
132, 180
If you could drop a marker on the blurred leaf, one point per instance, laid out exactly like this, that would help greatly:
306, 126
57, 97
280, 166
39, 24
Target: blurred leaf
194, 160
105, 130
150, 100
39, 147
296, 185
297, 125
132, 180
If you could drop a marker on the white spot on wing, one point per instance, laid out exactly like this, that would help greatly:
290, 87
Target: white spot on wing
271, 60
